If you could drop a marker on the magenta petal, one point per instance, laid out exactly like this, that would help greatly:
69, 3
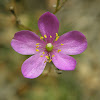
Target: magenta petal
24, 42
48, 24
64, 62
33, 66
74, 43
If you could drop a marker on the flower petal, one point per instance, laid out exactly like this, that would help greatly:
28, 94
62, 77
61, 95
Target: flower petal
74, 42
33, 66
48, 25
64, 62
24, 42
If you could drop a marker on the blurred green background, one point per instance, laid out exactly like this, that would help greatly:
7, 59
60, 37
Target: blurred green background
80, 84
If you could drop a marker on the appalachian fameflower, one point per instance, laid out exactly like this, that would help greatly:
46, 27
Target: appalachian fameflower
49, 47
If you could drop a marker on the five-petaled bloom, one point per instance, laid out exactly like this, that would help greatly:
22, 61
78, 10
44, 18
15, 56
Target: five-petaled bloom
49, 47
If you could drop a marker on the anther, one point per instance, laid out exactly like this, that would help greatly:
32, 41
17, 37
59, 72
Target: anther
53, 55
57, 38
47, 57
41, 56
62, 44
37, 50
45, 61
59, 50
43, 52
37, 43
50, 36
45, 36
50, 60
41, 38
37, 46
56, 34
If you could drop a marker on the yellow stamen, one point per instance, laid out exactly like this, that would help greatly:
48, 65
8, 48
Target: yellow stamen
37, 46
37, 43
62, 44
47, 57
53, 55
45, 61
41, 38
59, 50
41, 56
57, 38
56, 34
50, 36
37, 50
50, 60
45, 36
43, 52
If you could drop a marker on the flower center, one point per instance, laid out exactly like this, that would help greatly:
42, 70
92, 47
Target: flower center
49, 47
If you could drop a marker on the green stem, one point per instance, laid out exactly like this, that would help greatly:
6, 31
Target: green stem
18, 23
21, 26
58, 7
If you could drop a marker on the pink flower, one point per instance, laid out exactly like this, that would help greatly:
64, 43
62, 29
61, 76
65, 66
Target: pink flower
49, 47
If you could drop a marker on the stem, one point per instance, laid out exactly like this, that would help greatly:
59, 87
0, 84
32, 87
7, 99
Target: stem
58, 71
21, 26
49, 70
18, 22
58, 2
59, 7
